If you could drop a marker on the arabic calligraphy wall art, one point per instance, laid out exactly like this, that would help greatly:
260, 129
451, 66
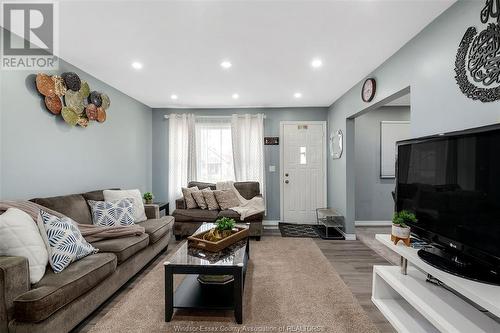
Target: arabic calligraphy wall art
477, 65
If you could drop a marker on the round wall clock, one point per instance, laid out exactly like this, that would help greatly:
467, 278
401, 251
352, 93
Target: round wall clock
368, 91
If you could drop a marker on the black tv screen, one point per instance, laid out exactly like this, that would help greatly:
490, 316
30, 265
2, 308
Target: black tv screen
452, 184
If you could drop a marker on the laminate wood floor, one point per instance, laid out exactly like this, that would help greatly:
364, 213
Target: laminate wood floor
353, 261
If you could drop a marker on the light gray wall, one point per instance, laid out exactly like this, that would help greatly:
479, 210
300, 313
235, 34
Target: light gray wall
272, 153
426, 64
373, 194
42, 156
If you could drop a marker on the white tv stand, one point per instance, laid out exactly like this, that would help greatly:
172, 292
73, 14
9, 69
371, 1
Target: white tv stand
413, 305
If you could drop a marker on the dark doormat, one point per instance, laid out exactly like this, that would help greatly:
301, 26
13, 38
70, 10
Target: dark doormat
308, 231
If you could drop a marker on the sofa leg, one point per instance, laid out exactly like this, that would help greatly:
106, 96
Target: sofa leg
178, 237
257, 238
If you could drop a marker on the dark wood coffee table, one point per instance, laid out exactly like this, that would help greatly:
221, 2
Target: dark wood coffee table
195, 295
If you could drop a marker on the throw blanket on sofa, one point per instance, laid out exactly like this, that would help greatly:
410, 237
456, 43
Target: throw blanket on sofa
91, 233
246, 208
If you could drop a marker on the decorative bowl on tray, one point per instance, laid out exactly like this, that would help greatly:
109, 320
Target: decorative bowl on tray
224, 234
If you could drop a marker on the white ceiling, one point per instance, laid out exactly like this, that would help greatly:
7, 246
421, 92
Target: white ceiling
269, 43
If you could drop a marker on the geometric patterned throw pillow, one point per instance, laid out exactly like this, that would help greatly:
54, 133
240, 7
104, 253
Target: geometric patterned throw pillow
112, 213
64, 241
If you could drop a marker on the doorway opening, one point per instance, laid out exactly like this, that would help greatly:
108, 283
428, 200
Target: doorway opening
371, 136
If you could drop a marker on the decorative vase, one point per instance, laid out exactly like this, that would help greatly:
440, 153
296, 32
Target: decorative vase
149, 201
400, 233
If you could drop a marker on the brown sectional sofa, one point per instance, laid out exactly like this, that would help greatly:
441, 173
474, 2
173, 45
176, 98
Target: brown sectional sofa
58, 302
187, 221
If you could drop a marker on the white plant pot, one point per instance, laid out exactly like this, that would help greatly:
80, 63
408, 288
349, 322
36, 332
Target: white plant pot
400, 232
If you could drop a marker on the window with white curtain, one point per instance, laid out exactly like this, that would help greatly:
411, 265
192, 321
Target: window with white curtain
214, 151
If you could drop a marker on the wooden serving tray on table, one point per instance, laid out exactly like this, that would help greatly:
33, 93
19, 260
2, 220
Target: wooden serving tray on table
197, 240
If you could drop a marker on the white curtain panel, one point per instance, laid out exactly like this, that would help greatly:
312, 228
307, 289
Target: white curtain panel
181, 155
248, 148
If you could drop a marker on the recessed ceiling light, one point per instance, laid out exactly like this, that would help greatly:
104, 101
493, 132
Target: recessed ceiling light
136, 65
236, 96
316, 63
226, 64
297, 95
174, 97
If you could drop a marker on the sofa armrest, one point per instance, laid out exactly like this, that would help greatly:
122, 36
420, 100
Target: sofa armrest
152, 211
14, 281
180, 203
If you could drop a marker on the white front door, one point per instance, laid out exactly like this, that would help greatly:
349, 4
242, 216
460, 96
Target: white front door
303, 170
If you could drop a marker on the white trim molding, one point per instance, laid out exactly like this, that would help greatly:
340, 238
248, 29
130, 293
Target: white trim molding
370, 223
270, 224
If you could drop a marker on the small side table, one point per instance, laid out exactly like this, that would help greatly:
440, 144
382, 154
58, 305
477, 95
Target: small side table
163, 206
332, 222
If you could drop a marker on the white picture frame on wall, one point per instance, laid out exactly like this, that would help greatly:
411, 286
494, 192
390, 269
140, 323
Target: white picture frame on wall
390, 133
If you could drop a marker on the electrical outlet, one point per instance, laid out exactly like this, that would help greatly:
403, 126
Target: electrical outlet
272, 168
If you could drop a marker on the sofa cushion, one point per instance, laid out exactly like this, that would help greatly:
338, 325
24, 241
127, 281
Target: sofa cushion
232, 214
97, 195
73, 206
157, 228
112, 213
195, 215
123, 247
54, 291
248, 190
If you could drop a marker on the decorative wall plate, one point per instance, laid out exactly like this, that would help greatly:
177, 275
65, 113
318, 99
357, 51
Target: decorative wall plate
84, 89
83, 121
74, 100
60, 88
72, 81
45, 85
101, 115
53, 104
95, 98
91, 111
70, 116
105, 101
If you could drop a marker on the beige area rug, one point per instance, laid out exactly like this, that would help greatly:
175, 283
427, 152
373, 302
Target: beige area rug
290, 287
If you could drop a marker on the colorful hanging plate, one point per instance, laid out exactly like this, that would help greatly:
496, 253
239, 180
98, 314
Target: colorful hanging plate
84, 89
72, 81
91, 111
74, 101
101, 115
105, 101
83, 121
95, 98
45, 85
60, 88
53, 104
70, 116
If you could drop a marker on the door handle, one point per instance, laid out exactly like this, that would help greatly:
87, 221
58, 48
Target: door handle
286, 181
286, 175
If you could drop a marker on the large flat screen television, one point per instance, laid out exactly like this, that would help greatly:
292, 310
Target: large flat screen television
452, 183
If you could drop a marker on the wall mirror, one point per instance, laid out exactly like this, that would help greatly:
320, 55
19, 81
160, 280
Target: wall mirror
336, 144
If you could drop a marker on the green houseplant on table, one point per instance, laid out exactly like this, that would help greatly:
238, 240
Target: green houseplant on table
148, 197
400, 228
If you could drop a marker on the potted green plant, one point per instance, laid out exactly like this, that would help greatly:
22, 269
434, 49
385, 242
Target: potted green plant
223, 228
148, 197
400, 228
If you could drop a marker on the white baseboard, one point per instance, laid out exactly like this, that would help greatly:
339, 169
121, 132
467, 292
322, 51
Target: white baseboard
372, 223
350, 237
270, 224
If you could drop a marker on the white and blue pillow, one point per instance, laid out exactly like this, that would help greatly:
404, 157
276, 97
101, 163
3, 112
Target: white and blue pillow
64, 240
112, 213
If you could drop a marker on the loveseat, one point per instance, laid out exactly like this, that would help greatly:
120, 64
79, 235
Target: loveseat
187, 221
58, 302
